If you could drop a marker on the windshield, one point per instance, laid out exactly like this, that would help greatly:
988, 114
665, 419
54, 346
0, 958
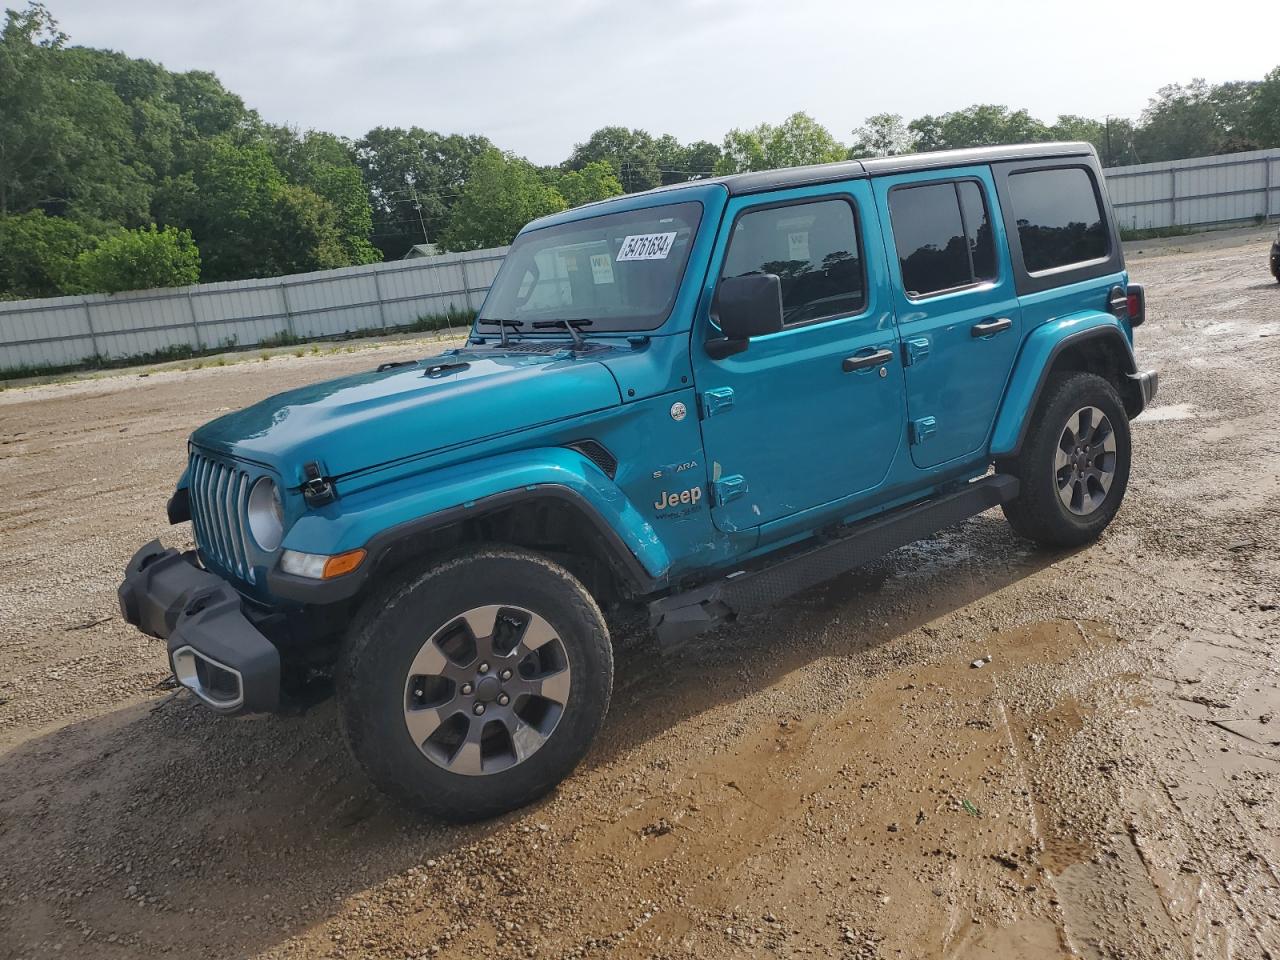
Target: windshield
621, 271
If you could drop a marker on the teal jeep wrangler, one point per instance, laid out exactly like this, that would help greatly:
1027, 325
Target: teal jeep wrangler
695, 400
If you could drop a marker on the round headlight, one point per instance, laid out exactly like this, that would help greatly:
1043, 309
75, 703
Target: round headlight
266, 515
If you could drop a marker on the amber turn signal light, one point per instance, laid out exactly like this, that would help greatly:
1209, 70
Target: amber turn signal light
341, 563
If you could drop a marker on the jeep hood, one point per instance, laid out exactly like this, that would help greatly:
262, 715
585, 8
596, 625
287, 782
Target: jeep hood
374, 418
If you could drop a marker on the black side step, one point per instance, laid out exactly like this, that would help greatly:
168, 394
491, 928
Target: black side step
683, 615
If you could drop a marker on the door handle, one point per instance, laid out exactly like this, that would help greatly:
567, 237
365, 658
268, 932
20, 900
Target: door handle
987, 327
866, 361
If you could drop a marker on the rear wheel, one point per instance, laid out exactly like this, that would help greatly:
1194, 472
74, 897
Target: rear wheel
476, 686
1074, 462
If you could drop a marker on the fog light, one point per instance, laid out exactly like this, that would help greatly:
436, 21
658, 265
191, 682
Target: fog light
320, 566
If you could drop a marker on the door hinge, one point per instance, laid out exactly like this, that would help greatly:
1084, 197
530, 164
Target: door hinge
716, 400
914, 350
923, 428
727, 489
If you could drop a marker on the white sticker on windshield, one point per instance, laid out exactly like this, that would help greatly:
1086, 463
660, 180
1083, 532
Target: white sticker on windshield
646, 246
601, 269
798, 244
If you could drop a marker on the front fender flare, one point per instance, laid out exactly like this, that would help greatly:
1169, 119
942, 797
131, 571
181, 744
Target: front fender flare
1031, 371
380, 517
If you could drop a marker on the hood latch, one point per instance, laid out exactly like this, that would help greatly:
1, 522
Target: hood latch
317, 489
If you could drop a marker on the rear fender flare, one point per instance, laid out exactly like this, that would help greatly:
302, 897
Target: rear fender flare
1035, 362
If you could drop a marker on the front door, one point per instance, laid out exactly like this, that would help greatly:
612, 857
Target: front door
812, 414
958, 312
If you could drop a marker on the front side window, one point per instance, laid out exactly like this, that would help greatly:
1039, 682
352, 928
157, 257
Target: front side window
812, 247
621, 271
1059, 218
943, 236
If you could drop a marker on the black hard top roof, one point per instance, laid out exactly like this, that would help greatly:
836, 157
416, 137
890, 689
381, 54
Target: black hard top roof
764, 180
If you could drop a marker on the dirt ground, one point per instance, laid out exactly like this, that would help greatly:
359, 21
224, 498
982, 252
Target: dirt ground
831, 780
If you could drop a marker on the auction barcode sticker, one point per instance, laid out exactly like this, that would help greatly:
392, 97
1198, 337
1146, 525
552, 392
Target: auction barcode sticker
646, 246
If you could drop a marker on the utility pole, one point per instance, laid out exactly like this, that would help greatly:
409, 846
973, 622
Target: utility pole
418, 206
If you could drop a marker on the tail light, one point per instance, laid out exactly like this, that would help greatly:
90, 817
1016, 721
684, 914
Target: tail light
1137, 297
1128, 303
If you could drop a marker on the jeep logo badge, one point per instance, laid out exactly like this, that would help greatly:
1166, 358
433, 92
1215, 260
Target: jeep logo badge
678, 411
678, 498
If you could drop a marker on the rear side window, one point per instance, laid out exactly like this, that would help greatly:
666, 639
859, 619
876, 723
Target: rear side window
943, 235
812, 247
1059, 218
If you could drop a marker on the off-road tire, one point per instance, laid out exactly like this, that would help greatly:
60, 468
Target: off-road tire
389, 632
1039, 513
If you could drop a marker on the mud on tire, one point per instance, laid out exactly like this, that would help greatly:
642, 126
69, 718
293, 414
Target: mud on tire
460, 724
1074, 462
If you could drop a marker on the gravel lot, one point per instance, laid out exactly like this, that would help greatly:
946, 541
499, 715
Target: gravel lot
831, 780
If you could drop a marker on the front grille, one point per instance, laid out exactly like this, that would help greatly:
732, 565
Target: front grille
219, 506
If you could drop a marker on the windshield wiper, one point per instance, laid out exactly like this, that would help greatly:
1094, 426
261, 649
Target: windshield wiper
570, 325
503, 325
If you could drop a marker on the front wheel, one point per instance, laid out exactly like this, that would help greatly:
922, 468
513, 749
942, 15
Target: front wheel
1073, 465
476, 686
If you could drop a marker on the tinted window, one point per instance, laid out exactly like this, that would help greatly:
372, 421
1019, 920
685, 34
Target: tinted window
977, 229
812, 247
1059, 219
943, 235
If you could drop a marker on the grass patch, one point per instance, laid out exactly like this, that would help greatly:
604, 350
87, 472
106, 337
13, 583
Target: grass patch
1155, 233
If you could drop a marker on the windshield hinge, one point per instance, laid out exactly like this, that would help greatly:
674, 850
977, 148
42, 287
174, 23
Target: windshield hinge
317, 489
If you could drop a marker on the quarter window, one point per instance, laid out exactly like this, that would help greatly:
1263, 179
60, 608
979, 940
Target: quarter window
943, 235
812, 247
1059, 218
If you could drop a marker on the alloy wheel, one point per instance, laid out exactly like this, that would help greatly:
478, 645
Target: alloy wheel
1085, 461
487, 690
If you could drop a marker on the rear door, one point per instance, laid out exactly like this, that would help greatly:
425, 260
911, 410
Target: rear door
812, 414
958, 312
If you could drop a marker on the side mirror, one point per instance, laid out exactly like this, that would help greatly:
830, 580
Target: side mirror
745, 307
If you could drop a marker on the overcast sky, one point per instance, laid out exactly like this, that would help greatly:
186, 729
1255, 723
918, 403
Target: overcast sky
537, 77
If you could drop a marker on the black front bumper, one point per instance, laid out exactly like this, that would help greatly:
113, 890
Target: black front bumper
215, 650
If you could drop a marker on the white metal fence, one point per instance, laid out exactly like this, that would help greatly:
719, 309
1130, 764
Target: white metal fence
1234, 188
61, 331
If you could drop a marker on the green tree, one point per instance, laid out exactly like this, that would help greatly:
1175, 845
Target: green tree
679, 162
595, 181
503, 193
38, 253
700, 159
414, 178
326, 165
981, 125
633, 155
881, 135
65, 141
796, 141
248, 219
1264, 111
1196, 120
305, 233
141, 259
